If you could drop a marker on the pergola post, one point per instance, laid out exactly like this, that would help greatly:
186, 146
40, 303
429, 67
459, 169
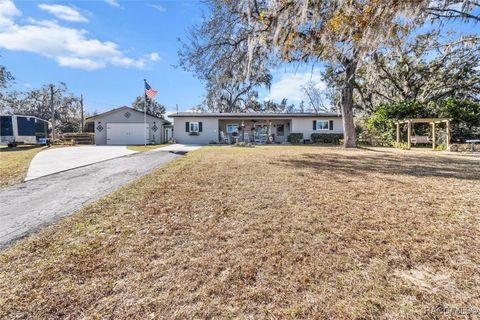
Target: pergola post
398, 132
409, 134
434, 141
433, 122
448, 134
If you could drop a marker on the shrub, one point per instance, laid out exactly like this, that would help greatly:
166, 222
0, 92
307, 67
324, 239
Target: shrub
464, 147
295, 137
244, 145
381, 129
400, 145
333, 138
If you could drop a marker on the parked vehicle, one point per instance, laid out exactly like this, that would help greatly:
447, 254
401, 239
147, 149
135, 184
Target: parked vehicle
18, 129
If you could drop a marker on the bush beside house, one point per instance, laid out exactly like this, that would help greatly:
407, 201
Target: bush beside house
333, 138
295, 138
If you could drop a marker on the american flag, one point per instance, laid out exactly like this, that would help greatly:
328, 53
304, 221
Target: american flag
149, 91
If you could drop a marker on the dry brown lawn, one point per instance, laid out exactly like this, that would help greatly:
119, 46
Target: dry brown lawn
14, 163
266, 232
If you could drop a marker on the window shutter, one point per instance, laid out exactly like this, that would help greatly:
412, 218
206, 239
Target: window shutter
187, 126
331, 125
200, 127
314, 124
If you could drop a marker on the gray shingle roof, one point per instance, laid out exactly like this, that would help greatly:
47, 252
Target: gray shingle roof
122, 108
253, 114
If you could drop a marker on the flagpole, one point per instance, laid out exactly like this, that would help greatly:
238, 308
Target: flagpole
145, 112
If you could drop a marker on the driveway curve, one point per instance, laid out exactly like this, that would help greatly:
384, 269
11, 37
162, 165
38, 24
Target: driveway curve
60, 159
30, 206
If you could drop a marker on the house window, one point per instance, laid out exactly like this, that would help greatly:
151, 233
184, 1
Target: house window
322, 125
194, 127
232, 128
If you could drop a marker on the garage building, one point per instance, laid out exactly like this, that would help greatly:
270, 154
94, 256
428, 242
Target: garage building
125, 126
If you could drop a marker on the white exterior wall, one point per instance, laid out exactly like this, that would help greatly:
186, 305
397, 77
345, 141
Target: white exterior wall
305, 126
209, 130
135, 117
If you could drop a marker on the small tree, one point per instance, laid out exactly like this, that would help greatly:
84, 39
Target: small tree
315, 97
37, 102
216, 53
153, 107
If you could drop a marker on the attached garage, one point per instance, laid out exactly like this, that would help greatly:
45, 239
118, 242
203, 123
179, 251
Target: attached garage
127, 133
126, 126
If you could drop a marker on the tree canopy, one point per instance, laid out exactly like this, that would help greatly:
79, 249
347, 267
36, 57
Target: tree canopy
36, 102
154, 108
237, 43
216, 53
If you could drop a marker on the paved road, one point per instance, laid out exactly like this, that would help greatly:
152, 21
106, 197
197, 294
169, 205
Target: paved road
28, 207
56, 160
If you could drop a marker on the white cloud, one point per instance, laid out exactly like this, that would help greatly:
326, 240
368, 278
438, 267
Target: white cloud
7, 12
290, 86
154, 56
158, 7
81, 63
69, 47
113, 3
63, 12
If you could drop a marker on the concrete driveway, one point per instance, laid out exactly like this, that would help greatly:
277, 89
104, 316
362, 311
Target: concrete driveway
29, 206
60, 159
178, 147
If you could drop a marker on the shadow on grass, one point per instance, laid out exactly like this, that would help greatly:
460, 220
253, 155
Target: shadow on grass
386, 163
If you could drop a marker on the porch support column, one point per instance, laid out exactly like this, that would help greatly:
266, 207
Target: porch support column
269, 130
434, 141
448, 134
409, 134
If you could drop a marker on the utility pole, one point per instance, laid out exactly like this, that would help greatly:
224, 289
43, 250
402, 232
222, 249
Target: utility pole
177, 107
52, 107
81, 110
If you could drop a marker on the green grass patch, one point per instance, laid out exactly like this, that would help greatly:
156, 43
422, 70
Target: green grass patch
145, 148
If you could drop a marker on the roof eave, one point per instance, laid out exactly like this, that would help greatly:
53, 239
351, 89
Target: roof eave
120, 108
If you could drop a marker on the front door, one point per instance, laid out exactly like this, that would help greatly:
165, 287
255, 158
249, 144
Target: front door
280, 136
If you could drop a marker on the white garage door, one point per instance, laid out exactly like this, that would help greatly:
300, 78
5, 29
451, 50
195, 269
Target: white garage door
126, 133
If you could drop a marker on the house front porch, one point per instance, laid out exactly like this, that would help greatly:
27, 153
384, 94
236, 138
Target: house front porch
256, 131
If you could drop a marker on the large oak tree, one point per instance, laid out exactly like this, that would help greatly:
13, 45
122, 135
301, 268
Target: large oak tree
339, 32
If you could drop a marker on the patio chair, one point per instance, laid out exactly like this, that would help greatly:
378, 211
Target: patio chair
224, 138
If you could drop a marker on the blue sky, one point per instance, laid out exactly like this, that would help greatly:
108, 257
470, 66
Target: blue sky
140, 37
104, 49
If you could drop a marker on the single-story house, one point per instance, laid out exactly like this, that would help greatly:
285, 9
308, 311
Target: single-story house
209, 127
126, 126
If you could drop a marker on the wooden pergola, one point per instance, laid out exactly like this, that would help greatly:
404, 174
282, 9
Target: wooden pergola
431, 121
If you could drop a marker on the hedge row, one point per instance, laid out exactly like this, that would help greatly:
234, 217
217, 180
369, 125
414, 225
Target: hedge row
333, 138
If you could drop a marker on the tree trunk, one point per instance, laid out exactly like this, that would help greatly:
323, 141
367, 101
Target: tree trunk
347, 105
